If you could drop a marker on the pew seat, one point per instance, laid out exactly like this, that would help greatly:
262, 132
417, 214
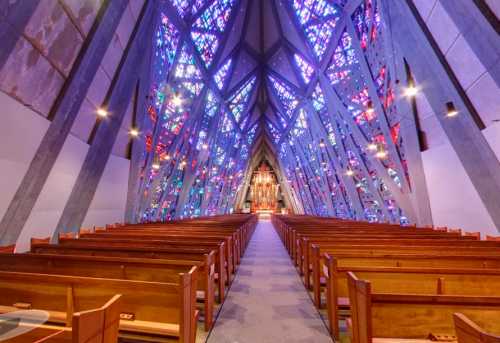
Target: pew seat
412, 316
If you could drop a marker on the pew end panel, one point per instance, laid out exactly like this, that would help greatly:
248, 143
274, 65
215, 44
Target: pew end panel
469, 332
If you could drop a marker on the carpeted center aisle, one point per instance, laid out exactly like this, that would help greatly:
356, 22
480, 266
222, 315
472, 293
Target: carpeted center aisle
267, 301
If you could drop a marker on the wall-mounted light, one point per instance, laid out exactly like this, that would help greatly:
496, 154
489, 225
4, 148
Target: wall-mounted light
381, 152
322, 143
166, 157
156, 163
372, 146
133, 132
451, 111
204, 146
411, 90
369, 108
349, 172
101, 112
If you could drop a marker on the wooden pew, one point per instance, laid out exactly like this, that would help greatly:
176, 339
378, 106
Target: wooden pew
159, 309
178, 239
437, 251
421, 280
155, 270
9, 249
233, 238
138, 266
132, 248
92, 326
304, 255
223, 263
469, 332
387, 316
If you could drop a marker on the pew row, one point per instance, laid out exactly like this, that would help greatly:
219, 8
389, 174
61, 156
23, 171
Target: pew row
96, 325
412, 316
152, 310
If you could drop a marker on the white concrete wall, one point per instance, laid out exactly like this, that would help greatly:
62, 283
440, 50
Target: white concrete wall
454, 200
108, 205
21, 131
470, 72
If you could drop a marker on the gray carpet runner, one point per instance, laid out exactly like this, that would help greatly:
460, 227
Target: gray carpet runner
267, 301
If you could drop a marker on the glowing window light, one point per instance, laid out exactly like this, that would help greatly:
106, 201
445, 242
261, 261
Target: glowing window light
342, 61
288, 100
182, 6
213, 18
167, 41
300, 125
251, 134
318, 19
274, 132
227, 124
239, 100
318, 99
186, 67
306, 70
206, 44
222, 73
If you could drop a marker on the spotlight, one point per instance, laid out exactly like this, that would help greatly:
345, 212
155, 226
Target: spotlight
370, 109
381, 153
134, 132
101, 112
166, 157
451, 111
372, 146
411, 91
349, 172
155, 165
322, 143
204, 146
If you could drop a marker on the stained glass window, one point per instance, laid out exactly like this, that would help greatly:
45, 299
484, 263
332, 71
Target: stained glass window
306, 70
318, 18
239, 100
211, 23
285, 94
221, 75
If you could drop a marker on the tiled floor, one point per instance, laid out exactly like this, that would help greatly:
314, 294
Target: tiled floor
267, 301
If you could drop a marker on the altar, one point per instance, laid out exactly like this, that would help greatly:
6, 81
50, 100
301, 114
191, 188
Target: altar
264, 191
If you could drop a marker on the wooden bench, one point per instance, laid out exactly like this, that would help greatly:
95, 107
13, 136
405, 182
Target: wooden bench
155, 309
92, 326
155, 270
130, 248
438, 281
223, 255
381, 316
469, 332
177, 239
312, 280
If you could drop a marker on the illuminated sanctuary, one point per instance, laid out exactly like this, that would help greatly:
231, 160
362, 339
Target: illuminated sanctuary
199, 114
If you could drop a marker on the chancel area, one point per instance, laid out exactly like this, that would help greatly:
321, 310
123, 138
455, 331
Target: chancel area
242, 171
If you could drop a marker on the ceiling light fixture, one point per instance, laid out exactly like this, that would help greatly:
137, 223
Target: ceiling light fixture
410, 91
101, 112
134, 132
451, 111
